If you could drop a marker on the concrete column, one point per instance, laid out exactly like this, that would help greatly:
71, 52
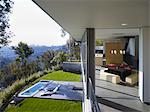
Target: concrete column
90, 57
144, 64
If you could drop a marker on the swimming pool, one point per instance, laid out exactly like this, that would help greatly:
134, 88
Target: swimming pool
34, 89
46, 89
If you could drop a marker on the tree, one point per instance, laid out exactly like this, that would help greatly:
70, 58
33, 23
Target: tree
46, 59
59, 59
23, 51
63, 33
99, 43
74, 49
5, 9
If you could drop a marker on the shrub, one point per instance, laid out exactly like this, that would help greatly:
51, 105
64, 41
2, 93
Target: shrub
33, 77
6, 94
10, 91
41, 73
57, 67
15, 87
45, 72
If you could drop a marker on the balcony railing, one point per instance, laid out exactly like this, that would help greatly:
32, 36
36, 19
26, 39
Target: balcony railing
90, 103
93, 101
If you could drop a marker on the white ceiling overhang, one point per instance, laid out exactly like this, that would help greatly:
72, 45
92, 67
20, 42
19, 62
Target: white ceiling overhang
76, 15
105, 34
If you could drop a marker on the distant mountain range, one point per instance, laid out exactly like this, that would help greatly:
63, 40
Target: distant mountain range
7, 54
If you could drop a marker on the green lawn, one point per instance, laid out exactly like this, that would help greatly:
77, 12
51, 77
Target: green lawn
49, 105
61, 76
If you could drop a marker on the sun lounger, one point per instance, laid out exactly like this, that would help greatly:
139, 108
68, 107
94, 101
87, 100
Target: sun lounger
47, 93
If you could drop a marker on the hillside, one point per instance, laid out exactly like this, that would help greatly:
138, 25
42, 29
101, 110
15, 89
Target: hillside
7, 55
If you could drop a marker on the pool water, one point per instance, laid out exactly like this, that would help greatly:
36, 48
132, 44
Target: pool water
33, 89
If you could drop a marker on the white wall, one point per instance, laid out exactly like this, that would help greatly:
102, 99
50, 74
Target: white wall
144, 61
141, 77
148, 78
144, 65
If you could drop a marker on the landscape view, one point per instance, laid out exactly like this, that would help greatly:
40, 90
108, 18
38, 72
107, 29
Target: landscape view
34, 56
74, 55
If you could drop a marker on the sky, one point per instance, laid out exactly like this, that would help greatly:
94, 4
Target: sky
33, 26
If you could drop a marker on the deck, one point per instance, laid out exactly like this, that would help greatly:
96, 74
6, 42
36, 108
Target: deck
118, 98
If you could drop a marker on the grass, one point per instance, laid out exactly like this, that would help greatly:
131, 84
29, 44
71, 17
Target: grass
61, 76
49, 105
46, 105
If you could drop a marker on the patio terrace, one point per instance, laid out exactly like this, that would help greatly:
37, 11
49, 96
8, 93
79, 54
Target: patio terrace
119, 97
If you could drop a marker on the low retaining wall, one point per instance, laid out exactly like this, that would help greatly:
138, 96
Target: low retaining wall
74, 67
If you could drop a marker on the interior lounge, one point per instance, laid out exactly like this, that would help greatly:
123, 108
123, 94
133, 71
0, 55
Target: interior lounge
117, 56
117, 65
